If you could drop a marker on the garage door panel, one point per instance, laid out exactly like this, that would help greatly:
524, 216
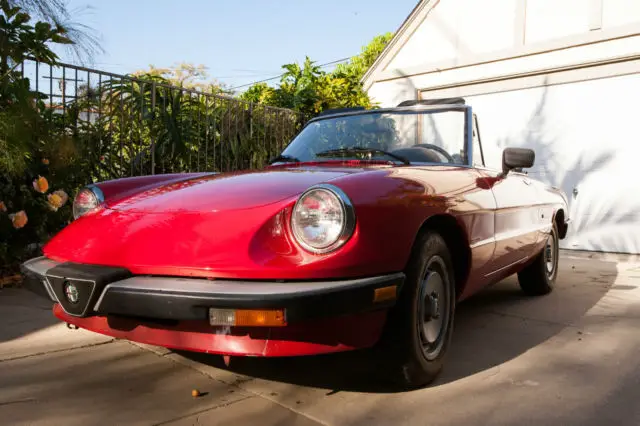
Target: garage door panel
605, 217
617, 237
586, 142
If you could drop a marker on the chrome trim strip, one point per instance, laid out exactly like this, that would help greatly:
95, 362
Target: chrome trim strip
523, 260
52, 294
511, 234
515, 233
40, 265
194, 287
482, 242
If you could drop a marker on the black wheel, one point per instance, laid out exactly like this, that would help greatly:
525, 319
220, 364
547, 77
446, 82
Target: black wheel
419, 329
539, 277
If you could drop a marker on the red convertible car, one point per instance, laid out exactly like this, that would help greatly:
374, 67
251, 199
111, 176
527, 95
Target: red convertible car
363, 233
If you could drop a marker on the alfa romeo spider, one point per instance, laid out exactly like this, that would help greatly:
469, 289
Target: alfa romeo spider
365, 232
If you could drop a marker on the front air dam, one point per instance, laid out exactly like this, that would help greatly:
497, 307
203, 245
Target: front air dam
310, 338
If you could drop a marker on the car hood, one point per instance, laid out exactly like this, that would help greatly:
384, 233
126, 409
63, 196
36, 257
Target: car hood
229, 191
220, 226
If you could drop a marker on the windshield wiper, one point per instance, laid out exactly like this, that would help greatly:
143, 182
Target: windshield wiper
284, 159
357, 149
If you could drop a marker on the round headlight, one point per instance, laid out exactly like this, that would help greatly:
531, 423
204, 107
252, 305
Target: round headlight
87, 200
323, 219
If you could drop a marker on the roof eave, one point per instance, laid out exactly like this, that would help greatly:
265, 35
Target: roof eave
396, 42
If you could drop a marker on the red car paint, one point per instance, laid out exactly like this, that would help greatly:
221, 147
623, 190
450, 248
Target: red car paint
318, 337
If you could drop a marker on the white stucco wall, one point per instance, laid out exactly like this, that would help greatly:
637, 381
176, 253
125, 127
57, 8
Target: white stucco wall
452, 31
617, 13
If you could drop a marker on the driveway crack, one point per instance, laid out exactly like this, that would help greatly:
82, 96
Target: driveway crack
17, 401
89, 345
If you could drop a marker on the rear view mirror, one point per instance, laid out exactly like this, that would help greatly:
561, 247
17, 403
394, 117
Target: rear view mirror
517, 158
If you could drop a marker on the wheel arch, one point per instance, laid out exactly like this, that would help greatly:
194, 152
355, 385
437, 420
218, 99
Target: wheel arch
456, 239
561, 225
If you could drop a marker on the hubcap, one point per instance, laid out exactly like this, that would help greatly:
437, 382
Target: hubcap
550, 255
433, 315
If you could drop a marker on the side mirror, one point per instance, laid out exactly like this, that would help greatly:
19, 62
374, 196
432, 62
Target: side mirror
517, 158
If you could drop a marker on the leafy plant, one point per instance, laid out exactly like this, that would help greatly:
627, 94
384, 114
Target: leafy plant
20, 107
310, 90
85, 43
25, 132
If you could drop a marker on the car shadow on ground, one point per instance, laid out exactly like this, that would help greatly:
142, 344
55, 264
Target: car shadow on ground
492, 327
23, 313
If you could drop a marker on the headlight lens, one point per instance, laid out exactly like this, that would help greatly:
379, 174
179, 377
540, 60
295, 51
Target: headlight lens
323, 219
87, 200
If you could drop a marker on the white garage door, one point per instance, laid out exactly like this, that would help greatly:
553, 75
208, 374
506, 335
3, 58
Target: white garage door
586, 136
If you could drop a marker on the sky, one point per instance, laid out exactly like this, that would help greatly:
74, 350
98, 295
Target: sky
240, 41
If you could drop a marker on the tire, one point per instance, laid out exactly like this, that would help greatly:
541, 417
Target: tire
539, 278
414, 349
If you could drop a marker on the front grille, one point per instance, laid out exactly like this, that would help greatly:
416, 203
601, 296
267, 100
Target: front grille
78, 286
74, 295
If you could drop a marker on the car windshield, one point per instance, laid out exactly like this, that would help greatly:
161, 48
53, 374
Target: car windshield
397, 136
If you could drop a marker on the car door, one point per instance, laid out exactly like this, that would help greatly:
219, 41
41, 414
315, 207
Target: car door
516, 222
516, 215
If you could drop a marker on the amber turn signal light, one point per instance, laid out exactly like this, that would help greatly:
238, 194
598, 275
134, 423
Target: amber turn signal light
247, 317
384, 294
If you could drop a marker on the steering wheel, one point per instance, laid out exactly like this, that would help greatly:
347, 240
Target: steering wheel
437, 149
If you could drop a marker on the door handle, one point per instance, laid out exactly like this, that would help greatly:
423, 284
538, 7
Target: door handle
575, 192
527, 181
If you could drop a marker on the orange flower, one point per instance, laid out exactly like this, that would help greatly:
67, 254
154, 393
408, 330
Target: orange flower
3, 207
63, 196
19, 219
41, 184
45, 161
55, 201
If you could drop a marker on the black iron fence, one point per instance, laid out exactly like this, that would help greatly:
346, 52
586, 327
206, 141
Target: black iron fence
125, 126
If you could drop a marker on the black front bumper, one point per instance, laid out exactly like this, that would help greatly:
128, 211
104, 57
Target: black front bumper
114, 291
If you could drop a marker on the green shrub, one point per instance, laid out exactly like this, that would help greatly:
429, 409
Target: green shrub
25, 132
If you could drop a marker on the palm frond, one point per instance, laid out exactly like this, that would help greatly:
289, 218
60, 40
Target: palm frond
86, 43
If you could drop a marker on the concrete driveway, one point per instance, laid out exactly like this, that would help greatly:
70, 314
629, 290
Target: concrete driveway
572, 357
